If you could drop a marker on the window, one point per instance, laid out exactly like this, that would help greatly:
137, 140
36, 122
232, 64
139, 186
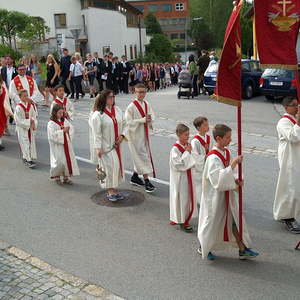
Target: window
153, 8
166, 7
131, 52
105, 50
125, 50
246, 67
139, 7
174, 21
179, 6
135, 52
60, 20
174, 36
106, 4
182, 36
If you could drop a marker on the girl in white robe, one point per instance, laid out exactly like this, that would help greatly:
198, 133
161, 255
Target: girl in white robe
139, 117
62, 158
287, 197
202, 143
182, 196
26, 125
107, 133
219, 210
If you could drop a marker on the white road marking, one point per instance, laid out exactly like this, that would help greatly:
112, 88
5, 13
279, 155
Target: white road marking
126, 171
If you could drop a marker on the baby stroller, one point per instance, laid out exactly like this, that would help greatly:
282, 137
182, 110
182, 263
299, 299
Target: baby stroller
185, 84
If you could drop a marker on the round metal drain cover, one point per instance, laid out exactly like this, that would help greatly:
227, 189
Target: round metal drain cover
131, 198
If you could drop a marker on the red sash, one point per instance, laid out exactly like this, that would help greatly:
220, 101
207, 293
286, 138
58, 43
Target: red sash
288, 117
19, 85
64, 105
3, 119
203, 143
143, 114
190, 183
112, 115
225, 162
26, 111
66, 148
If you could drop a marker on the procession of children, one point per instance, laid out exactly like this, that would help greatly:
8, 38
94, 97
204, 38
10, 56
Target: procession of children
203, 175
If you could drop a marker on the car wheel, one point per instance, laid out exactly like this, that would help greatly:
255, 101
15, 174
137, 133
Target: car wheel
269, 98
248, 92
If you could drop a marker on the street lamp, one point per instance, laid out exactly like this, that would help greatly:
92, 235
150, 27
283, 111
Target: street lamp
186, 28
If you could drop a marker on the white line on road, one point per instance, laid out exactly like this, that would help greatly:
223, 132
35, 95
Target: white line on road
126, 171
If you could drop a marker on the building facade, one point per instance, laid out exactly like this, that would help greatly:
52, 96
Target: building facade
171, 14
87, 25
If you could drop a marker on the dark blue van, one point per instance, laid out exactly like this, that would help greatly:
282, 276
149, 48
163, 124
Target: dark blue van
251, 73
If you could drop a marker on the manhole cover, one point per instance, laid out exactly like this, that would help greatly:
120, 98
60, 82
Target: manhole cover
131, 198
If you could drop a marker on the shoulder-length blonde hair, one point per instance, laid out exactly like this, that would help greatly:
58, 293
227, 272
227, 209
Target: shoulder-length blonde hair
53, 59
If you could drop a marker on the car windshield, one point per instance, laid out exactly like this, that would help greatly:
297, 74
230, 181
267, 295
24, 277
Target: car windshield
279, 73
212, 68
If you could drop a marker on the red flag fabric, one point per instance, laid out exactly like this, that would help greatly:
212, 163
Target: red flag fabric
228, 89
277, 25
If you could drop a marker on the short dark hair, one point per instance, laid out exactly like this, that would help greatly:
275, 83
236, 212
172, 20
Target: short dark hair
199, 121
288, 100
20, 66
101, 99
181, 128
65, 49
220, 130
56, 107
140, 86
58, 87
8, 55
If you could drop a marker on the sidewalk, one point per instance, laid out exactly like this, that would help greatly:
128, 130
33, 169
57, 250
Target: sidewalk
25, 277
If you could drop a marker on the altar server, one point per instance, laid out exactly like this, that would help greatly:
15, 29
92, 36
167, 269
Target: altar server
139, 117
62, 158
219, 211
182, 196
26, 125
287, 197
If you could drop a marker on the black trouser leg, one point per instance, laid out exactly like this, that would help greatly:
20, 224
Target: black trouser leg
64, 83
195, 85
72, 86
100, 83
78, 87
125, 84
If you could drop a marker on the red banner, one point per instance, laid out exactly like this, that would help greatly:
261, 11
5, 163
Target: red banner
228, 89
277, 24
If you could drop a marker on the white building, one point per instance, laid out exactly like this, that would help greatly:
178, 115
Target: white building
87, 25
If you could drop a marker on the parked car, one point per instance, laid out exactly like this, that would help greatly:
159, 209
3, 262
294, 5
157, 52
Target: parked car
278, 83
251, 73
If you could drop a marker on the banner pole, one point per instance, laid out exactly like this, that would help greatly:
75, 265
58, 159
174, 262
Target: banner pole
240, 170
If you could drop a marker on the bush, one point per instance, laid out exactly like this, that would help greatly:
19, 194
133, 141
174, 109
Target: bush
5, 50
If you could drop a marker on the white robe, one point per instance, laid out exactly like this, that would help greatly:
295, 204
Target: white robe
6, 104
22, 126
13, 92
180, 200
69, 108
58, 160
199, 154
287, 196
212, 215
137, 141
103, 137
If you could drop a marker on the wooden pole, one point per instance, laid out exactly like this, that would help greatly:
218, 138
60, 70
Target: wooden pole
255, 56
240, 171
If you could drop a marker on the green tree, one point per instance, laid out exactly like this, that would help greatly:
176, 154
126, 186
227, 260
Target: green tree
152, 25
5, 50
160, 47
35, 30
247, 31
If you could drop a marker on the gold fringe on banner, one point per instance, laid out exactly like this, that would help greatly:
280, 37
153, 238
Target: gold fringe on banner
278, 66
227, 100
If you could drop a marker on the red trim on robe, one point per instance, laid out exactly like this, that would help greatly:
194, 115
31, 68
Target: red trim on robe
19, 85
225, 162
66, 148
205, 144
288, 117
64, 105
26, 111
112, 115
143, 114
191, 191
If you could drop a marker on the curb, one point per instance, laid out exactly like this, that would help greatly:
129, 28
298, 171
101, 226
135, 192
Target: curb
91, 290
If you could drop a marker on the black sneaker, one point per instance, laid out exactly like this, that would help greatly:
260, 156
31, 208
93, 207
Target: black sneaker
149, 187
72, 96
292, 226
31, 164
2, 147
136, 180
25, 162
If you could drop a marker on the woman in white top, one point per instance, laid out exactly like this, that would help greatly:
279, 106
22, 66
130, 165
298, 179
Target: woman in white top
107, 133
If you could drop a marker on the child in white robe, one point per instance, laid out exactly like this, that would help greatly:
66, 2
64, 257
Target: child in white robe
66, 103
108, 132
26, 125
182, 196
139, 117
219, 210
201, 145
287, 197
62, 158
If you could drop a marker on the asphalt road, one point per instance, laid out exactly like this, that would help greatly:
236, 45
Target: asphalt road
133, 251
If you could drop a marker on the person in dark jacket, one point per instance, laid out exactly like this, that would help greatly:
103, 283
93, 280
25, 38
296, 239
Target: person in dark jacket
125, 68
116, 74
65, 63
203, 63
